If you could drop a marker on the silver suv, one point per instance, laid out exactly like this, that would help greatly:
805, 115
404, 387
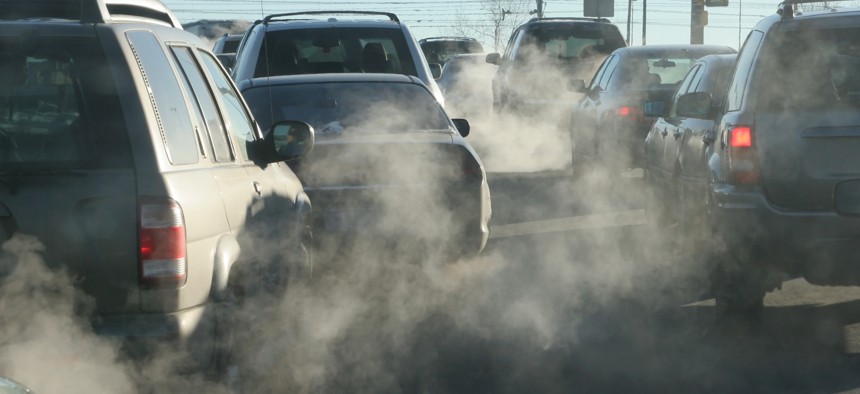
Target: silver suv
288, 44
127, 151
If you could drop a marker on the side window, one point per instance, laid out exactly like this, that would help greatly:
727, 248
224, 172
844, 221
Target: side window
599, 73
511, 50
610, 70
168, 102
734, 98
238, 120
208, 107
697, 80
692, 78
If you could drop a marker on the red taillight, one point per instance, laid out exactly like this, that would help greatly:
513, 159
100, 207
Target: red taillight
741, 137
163, 259
742, 158
624, 111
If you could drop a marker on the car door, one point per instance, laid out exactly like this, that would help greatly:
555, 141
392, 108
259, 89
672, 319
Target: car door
272, 213
675, 126
586, 115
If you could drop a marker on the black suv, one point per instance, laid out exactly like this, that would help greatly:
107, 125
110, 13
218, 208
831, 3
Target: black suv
783, 194
544, 54
128, 152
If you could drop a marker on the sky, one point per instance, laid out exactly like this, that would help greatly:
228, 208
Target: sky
668, 21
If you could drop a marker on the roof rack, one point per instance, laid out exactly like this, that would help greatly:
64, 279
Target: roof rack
570, 18
786, 8
449, 38
90, 11
273, 17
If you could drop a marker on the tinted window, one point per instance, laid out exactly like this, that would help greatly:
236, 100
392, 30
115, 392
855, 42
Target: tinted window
570, 41
742, 71
349, 106
809, 69
335, 50
59, 107
208, 109
168, 101
238, 120
694, 74
442, 51
610, 70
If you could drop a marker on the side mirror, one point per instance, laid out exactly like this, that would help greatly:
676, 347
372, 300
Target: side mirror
292, 139
462, 126
494, 58
435, 70
227, 60
654, 109
285, 141
695, 105
577, 86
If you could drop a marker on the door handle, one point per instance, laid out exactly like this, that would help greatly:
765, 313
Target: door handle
258, 188
664, 133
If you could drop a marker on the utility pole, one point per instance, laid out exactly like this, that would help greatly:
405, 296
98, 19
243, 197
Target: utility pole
539, 8
629, 17
698, 20
644, 19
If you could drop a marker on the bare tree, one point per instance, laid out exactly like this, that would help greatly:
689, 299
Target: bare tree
498, 19
825, 5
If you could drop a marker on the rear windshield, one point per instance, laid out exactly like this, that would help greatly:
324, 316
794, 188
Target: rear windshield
567, 42
811, 70
333, 108
58, 106
442, 51
335, 50
654, 72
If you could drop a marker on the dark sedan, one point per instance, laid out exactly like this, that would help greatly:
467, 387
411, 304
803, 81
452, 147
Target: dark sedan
608, 124
676, 145
388, 162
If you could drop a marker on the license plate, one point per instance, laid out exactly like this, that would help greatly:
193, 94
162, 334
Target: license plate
342, 220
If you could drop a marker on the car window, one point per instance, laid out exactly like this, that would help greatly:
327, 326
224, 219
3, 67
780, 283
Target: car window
59, 107
331, 108
810, 69
568, 41
239, 122
649, 72
214, 125
603, 83
512, 43
600, 72
742, 70
694, 74
168, 101
335, 50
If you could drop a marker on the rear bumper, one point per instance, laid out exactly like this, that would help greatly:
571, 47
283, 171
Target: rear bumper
456, 220
819, 245
141, 333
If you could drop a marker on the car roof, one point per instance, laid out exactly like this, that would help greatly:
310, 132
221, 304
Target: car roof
331, 18
658, 50
89, 11
327, 78
566, 20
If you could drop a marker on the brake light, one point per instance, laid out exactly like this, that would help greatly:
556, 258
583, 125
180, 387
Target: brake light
742, 159
741, 137
163, 257
624, 111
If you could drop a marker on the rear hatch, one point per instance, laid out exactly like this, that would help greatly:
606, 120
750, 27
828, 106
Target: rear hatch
807, 125
378, 183
65, 162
